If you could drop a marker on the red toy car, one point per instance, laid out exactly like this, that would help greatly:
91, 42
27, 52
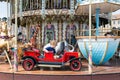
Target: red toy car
32, 59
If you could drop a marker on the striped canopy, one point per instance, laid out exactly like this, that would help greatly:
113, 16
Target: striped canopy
105, 7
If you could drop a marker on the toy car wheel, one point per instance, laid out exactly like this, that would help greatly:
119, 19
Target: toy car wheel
28, 64
75, 65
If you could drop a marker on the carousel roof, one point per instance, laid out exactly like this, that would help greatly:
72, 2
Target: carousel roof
105, 7
6, 0
2, 0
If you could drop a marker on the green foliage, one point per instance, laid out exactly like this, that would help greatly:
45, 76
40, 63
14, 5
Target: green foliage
4, 19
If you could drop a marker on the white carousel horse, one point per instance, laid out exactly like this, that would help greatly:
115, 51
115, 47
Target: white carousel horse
5, 40
7, 43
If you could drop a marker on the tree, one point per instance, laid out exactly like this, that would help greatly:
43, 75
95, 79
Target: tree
4, 19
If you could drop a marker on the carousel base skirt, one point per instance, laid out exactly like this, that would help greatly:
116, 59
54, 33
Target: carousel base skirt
108, 71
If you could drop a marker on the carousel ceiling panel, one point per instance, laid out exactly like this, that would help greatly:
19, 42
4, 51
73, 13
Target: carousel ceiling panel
5, 0
105, 7
2, 0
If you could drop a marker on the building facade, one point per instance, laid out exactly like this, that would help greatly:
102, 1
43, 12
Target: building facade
116, 21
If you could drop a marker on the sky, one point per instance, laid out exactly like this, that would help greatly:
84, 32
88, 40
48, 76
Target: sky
117, 12
3, 10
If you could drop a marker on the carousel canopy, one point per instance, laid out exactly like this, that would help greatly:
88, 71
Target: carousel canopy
104, 6
3, 0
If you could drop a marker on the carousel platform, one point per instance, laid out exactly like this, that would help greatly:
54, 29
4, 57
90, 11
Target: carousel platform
108, 71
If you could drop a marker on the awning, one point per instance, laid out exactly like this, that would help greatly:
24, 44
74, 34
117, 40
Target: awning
105, 7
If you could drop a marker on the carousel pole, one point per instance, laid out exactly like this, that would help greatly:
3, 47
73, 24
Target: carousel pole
90, 45
43, 8
7, 34
97, 21
111, 20
20, 9
10, 16
15, 47
7, 15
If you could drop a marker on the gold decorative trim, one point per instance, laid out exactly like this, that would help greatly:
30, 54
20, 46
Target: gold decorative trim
105, 52
95, 37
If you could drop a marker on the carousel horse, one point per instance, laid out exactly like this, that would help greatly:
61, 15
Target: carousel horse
3, 35
6, 42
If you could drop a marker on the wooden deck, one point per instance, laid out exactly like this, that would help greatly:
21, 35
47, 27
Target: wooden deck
108, 71
97, 37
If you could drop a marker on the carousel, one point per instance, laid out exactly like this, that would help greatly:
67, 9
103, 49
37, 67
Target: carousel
57, 20
67, 20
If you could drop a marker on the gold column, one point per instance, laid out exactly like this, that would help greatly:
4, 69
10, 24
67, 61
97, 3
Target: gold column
40, 36
27, 31
60, 30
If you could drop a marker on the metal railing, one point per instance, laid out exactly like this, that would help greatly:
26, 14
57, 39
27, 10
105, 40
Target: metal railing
102, 32
50, 4
57, 4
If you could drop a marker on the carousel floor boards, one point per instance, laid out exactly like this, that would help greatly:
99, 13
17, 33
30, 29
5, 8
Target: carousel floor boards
108, 71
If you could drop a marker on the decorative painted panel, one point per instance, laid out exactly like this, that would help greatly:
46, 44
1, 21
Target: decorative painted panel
70, 31
49, 31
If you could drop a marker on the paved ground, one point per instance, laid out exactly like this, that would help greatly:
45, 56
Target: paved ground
109, 71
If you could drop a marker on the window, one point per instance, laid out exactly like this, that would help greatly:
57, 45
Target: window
118, 21
113, 22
